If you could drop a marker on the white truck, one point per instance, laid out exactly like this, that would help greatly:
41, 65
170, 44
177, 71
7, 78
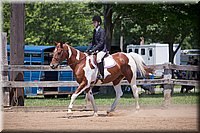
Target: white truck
155, 53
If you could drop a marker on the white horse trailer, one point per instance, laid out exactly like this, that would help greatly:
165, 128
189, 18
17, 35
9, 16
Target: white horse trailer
155, 53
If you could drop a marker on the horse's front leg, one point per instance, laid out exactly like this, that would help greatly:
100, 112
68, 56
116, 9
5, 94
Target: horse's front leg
78, 91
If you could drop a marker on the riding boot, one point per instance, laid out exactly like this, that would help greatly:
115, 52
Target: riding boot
101, 70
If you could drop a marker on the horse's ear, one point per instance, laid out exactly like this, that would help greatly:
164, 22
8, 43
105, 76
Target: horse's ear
61, 44
56, 43
68, 43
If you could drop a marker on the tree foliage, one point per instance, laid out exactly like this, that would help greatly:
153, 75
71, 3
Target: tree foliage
49, 22
71, 22
160, 22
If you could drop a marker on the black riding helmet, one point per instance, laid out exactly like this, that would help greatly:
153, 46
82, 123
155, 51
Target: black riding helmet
97, 18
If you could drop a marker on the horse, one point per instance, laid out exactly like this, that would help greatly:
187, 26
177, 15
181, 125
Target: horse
85, 69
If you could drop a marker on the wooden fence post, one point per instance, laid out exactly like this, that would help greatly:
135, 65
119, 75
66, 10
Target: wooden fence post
168, 89
6, 90
17, 49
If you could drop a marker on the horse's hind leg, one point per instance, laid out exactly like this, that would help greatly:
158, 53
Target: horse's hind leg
134, 88
136, 95
131, 77
87, 99
91, 98
119, 93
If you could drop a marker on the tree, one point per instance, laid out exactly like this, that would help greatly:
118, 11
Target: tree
176, 22
49, 22
108, 24
166, 23
68, 22
17, 49
71, 22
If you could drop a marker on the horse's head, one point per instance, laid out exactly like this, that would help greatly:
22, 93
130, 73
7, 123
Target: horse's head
59, 55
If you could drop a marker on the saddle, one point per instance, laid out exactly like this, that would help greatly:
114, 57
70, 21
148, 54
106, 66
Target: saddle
107, 60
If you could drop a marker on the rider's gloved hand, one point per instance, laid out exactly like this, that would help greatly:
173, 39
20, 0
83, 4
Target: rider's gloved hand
90, 52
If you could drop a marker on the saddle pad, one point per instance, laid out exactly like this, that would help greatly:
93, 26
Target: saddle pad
109, 62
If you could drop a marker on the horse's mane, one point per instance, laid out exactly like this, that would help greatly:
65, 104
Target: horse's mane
71, 47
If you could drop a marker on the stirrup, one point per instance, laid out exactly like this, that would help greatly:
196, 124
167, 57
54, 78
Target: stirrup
100, 77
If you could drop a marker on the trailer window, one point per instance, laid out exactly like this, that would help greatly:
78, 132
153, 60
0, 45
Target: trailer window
26, 63
27, 54
142, 51
136, 51
150, 53
36, 63
130, 50
47, 58
36, 55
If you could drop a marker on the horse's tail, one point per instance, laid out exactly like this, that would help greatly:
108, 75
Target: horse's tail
139, 62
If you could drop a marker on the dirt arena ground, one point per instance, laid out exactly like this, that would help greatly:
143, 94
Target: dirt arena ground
125, 118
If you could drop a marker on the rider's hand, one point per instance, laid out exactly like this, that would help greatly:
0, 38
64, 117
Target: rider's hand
90, 52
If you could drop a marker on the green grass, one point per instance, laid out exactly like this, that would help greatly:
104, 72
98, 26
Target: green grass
106, 99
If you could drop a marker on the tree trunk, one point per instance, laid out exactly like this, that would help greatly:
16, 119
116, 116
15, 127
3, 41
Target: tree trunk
17, 29
171, 53
108, 25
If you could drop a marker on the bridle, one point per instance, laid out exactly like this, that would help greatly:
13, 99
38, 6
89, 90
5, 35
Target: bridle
57, 58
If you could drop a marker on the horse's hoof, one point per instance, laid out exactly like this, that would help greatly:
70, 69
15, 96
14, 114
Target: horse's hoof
109, 111
69, 112
137, 108
110, 114
95, 114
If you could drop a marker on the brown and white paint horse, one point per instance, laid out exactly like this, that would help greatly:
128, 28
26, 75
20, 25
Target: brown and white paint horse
85, 70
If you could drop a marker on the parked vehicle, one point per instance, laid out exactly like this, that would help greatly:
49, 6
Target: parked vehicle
155, 53
187, 54
42, 55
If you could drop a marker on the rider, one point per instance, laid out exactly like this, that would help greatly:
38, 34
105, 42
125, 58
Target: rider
98, 44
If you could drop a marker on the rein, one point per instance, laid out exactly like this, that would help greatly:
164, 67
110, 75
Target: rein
77, 61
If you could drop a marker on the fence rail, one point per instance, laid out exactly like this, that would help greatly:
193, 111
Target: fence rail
67, 68
11, 84
15, 84
166, 81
